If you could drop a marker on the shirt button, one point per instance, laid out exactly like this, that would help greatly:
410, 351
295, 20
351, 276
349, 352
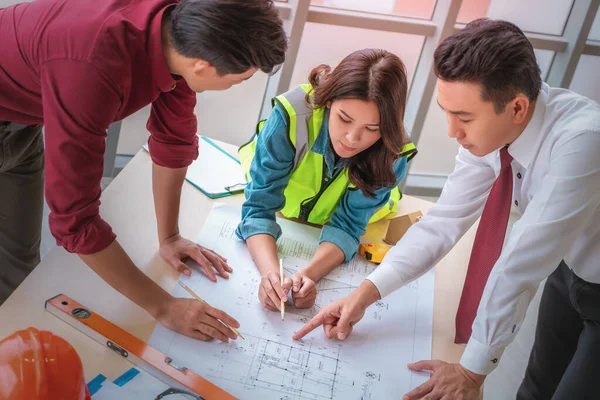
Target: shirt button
519, 175
516, 203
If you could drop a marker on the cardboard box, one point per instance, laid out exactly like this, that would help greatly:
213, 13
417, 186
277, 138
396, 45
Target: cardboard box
399, 225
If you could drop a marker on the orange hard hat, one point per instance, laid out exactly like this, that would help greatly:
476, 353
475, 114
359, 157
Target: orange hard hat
39, 365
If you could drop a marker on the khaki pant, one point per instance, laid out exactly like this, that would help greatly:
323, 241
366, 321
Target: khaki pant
21, 203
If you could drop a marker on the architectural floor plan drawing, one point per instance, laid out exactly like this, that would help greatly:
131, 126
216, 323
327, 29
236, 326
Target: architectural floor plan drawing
370, 364
297, 371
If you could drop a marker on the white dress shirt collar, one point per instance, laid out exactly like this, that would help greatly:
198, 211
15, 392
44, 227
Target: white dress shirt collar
523, 148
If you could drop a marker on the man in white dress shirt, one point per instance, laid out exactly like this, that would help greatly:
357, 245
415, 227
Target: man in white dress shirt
538, 148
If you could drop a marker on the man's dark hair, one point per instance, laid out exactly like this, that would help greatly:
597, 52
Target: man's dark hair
232, 35
495, 54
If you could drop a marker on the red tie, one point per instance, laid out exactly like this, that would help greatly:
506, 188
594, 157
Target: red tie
486, 247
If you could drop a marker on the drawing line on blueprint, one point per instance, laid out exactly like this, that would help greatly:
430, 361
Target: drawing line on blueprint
227, 232
296, 369
328, 291
302, 370
269, 365
287, 247
353, 271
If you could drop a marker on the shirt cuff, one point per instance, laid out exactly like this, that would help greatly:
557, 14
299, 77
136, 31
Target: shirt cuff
341, 238
255, 226
480, 358
173, 155
386, 279
91, 238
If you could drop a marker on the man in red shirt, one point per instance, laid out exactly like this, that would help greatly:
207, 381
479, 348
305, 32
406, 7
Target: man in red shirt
75, 67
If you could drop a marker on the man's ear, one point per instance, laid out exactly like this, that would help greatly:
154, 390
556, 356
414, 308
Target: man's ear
518, 107
201, 67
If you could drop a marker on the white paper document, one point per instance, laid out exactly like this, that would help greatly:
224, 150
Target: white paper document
217, 171
369, 364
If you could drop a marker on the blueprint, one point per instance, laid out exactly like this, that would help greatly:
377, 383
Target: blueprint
268, 364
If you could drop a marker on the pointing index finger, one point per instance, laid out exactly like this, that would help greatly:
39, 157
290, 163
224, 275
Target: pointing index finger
310, 326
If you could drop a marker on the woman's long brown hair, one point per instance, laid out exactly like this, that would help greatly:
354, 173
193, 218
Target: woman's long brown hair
371, 75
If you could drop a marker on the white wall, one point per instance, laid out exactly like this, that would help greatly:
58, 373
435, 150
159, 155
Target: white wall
326, 44
229, 116
6, 3
586, 81
378, 6
540, 16
595, 31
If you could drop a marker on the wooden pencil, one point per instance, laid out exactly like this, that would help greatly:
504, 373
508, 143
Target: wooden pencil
281, 277
190, 291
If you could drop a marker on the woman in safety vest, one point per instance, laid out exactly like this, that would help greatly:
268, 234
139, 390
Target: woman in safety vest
331, 153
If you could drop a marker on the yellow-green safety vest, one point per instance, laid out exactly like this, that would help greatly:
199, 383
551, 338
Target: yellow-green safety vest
311, 196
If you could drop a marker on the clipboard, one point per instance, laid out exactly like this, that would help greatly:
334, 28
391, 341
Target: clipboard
215, 172
139, 353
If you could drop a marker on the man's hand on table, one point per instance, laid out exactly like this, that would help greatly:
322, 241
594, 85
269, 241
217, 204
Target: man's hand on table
189, 317
176, 249
447, 382
197, 320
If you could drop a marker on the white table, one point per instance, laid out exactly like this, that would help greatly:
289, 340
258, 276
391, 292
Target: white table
128, 206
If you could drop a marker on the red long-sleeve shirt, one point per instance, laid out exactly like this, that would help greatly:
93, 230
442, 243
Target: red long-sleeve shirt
76, 66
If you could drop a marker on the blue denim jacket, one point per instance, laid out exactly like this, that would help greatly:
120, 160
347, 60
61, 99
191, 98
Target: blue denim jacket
270, 171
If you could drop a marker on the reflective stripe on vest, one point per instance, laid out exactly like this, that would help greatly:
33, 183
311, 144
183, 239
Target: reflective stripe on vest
295, 100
